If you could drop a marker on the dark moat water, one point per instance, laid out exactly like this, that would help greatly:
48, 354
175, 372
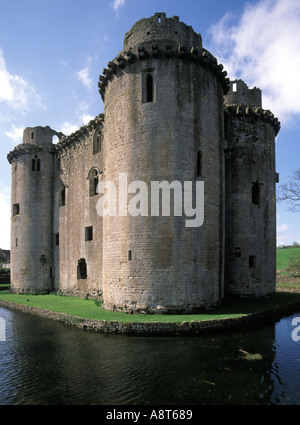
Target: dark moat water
48, 363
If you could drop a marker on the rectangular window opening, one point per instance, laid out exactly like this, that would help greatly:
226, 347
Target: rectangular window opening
35, 164
148, 86
129, 255
82, 269
56, 239
256, 193
16, 209
234, 87
62, 195
43, 259
199, 163
89, 233
32, 135
252, 261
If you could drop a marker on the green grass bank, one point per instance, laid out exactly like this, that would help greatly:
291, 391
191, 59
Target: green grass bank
89, 309
76, 310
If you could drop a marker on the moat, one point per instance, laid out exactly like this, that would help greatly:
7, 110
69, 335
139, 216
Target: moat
43, 362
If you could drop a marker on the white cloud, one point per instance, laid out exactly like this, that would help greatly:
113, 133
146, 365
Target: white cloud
15, 91
86, 118
262, 48
5, 218
117, 4
16, 134
81, 117
67, 128
84, 75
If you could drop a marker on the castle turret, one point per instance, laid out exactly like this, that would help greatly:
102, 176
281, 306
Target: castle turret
32, 211
250, 193
163, 97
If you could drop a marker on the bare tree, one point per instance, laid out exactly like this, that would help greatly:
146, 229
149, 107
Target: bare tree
291, 192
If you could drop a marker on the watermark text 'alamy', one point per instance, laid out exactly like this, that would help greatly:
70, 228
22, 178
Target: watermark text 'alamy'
138, 204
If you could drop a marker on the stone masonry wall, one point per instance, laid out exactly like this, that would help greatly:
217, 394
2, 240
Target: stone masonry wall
172, 267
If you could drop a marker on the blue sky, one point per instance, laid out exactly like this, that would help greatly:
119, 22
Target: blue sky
52, 52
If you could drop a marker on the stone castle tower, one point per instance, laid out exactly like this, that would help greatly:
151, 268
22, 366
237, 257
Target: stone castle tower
171, 116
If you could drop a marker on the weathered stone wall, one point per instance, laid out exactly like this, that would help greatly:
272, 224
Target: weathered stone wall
172, 267
76, 161
250, 263
32, 212
240, 94
160, 27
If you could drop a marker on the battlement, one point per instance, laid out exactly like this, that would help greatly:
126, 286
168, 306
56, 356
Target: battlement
160, 28
41, 136
254, 112
66, 142
240, 94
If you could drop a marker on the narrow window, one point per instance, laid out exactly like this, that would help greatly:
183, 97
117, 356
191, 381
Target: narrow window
36, 164
89, 233
16, 242
62, 195
94, 180
16, 209
43, 259
256, 193
51, 273
129, 255
252, 261
58, 164
56, 239
149, 88
81, 269
97, 145
199, 163
32, 135
234, 87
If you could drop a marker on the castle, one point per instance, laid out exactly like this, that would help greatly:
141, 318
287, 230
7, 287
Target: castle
170, 115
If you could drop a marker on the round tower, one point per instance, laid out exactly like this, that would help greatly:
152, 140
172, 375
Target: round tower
32, 211
163, 97
250, 193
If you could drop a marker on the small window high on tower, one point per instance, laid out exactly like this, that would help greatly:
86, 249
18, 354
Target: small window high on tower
97, 142
148, 87
256, 193
35, 164
199, 163
94, 180
62, 195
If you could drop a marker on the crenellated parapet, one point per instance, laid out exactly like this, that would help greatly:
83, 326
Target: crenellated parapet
76, 138
257, 113
161, 38
28, 148
198, 56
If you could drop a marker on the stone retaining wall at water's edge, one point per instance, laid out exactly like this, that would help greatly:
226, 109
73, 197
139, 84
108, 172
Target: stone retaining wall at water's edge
159, 328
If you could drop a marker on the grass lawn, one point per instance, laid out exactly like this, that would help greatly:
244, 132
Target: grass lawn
285, 257
288, 291
88, 309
